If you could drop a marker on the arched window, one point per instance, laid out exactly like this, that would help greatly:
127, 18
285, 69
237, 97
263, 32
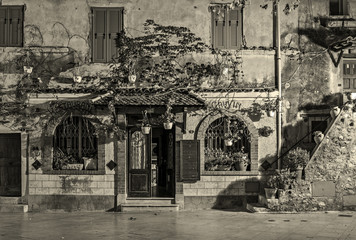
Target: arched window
227, 145
75, 145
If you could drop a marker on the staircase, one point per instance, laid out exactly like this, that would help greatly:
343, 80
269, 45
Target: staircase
12, 205
149, 205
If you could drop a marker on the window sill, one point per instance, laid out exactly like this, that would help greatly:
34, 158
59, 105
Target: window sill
230, 173
75, 172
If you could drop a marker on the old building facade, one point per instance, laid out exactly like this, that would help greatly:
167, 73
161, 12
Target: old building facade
79, 146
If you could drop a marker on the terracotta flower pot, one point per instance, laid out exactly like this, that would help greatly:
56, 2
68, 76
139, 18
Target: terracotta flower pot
318, 138
270, 193
167, 125
240, 166
299, 174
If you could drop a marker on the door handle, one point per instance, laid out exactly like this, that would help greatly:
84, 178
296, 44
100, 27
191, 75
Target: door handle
109, 35
95, 35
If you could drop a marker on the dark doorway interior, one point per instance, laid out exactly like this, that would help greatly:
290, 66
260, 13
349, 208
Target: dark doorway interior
162, 163
10, 164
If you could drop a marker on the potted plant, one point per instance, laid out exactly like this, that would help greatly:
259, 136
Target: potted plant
265, 131
354, 111
241, 160
145, 126
334, 111
318, 136
296, 160
271, 108
27, 69
168, 118
228, 139
272, 184
255, 112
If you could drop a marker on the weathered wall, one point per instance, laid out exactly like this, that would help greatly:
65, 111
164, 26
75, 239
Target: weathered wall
335, 161
59, 31
330, 182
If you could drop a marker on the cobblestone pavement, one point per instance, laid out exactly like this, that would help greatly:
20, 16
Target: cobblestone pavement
208, 224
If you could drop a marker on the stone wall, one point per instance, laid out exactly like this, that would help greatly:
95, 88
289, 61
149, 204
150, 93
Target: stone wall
330, 176
334, 161
220, 192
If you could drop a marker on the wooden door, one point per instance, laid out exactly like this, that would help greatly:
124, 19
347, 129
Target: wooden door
139, 163
10, 164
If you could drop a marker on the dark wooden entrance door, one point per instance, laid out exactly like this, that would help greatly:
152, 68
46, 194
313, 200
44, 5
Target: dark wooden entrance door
139, 163
10, 164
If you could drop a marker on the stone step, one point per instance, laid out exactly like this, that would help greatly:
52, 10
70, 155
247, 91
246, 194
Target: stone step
149, 207
257, 208
10, 200
13, 208
137, 200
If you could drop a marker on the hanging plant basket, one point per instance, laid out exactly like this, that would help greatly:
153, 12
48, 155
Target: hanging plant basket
146, 129
27, 69
168, 125
228, 142
132, 78
271, 113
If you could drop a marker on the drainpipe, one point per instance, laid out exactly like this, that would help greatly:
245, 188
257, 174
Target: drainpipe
279, 80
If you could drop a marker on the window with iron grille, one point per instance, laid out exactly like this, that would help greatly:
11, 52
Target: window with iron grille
75, 143
227, 142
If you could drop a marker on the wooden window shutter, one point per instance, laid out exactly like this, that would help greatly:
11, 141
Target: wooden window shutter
115, 26
3, 26
99, 35
219, 30
15, 26
234, 29
189, 160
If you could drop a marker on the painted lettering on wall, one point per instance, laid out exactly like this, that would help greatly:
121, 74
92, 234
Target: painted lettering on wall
227, 104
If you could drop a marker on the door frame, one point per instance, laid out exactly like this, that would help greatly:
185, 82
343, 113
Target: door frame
148, 170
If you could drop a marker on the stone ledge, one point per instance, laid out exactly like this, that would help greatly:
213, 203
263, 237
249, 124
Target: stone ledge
230, 173
75, 172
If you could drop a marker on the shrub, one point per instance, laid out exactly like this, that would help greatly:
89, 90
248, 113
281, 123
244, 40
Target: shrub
295, 158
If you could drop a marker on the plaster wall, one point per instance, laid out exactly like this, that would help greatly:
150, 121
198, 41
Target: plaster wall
50, 24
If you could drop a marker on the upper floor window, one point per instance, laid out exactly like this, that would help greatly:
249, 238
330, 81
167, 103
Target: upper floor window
75, 145
11, 26
227, 145
349, 75
226, 28
339, 7
107, 23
